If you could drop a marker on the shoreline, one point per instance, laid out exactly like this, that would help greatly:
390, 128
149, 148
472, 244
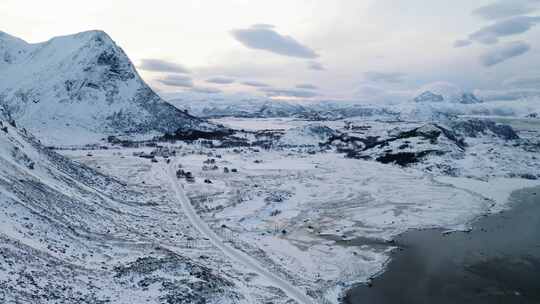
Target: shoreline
404, 244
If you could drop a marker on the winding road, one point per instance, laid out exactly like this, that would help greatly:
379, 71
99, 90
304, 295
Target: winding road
237, 255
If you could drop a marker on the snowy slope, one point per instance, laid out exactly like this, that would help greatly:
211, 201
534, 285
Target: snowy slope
308, 135
77, 88
69, 234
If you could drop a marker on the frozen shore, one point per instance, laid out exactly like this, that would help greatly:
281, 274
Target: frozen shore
498, 261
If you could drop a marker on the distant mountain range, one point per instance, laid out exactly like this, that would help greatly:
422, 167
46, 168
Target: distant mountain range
427, 105
463, 98
219, 106
81, 87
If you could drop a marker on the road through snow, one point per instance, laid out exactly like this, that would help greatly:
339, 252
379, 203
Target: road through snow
241, 257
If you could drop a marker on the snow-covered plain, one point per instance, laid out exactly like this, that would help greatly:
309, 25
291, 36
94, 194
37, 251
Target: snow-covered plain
256, 124
323, 221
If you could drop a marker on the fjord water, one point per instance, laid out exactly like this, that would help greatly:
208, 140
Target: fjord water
497, 262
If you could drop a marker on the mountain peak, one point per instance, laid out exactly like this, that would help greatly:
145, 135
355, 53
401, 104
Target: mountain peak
83, 85
91, 35
94, 33
429, 96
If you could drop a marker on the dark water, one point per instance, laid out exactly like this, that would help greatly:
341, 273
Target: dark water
498, 262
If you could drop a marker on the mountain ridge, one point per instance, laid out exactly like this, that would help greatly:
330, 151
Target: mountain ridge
82, 86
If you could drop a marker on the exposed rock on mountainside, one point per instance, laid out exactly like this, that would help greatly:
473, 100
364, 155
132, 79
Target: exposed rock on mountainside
404, 147
476, 127
196, 134
468, 98
78, 88
449, 148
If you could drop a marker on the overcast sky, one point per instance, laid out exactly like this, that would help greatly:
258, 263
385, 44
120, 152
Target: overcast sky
305, 49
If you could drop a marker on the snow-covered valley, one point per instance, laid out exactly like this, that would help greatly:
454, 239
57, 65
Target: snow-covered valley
319, 219
309, 212
111, 194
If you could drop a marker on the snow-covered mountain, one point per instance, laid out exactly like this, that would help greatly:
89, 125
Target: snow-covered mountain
250, 106
429, 96
445, 92
234, 105
463, 98
78, 88
438, 102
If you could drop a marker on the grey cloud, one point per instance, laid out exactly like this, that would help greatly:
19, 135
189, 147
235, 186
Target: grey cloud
505, 9
158, 65
380, 94
177, 81
462, 43
206, 90
306, 86
263, 37
262, 26
220, 80
314, 65
513, 26
504, 52
507, 95
384, 77
370, 90
523, 82
255, 84
273, 92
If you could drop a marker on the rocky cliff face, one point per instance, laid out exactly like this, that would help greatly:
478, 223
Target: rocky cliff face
79, 88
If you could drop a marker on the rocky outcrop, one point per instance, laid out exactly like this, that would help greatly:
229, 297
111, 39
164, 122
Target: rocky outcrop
403, 148
478, 127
